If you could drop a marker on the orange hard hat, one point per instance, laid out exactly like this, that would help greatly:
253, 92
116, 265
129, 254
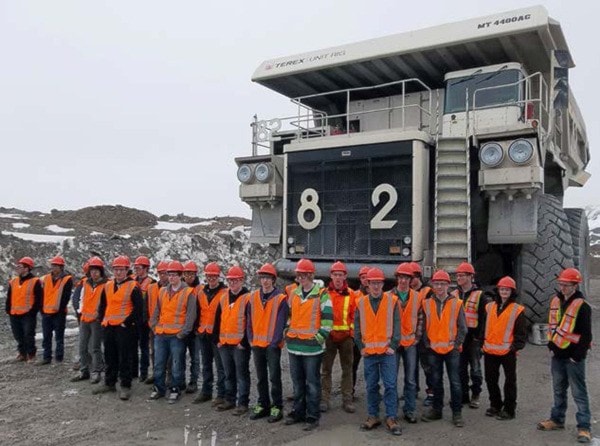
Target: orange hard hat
416, 268
212, 269
570, 275
267, 268
507, 282
95, 262
405, 269
142, 261
465, 268
338, 267
121, 262
190, 266
375, 274
175, 266
440, 276
363, 270
305, 266
57, 260
86, 267
235, 272
27, 261
162, 266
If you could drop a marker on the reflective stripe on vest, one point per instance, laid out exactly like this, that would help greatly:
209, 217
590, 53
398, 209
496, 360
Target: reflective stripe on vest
441, 331
144, 284
264, 318
499, 329
560, 327
208, 310
53, 291
21, 295
346, 325
376, 329
305, 319
90, 301
173, 310
408, 318
471, 307
233, 320
152, 298
290, 289
118, 304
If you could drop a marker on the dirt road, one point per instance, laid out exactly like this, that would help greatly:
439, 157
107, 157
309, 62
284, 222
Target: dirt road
39, 406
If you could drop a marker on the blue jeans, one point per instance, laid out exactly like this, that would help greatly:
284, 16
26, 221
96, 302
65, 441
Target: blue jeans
306, 378
452, 361
236, 362
408, 356
210, 353
566, 373
54, 323
165, 346
382, 367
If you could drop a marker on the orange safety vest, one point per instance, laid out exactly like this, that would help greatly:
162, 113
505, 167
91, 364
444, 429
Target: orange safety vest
290, 289
264, 319
343, 310
152, 298
471, 306
376, 329
21, 295
442, 331
305, 318
173, 310
409, 317
208, 311
90, 301
561, 326
53, 291
423, 292
499, 329
233, 320
144, 284
118, 303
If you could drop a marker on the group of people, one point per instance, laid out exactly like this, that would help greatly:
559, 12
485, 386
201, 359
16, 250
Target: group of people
132, 325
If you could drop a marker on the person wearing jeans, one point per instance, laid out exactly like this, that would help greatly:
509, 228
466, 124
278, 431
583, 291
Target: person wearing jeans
569, 339
376, 333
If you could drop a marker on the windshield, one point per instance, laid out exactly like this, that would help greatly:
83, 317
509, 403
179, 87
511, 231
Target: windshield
456, 90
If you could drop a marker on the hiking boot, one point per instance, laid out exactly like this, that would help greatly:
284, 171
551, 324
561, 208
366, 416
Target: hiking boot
474, 404
44, 361
310, 425
584, 435
217, 402
393, 426
125, 393
226, 405
349, 407
550, 425
156, 395
275, 415
292, 418
431, 415
20, 358
504, 415
82, 376
457, 419
258, 412
202, 398
104, 389
410, 417
95, 379
191, 388
324, 406
428, 401
174, 395
491, 412
31, 357
239, 411
149, 380
370, 423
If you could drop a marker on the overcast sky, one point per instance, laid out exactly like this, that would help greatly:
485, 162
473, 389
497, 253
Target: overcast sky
146, 103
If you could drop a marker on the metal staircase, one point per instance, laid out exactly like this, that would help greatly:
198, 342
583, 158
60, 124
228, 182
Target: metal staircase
452, 235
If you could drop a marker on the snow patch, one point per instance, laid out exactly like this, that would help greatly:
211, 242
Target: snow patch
20, 225
58, 229
96, 233
173, 226
14, 216
39, 238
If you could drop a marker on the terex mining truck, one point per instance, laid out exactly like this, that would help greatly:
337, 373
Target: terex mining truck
449, 144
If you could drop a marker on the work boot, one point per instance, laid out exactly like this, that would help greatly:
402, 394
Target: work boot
491, 412
310, 425
324, 406
95, 379
31, 357
584, 435
44, 361
275, 415
349, 407
202, 398
259, 412
226, 405
191, 388
504, 415
104, 389
292, 418
550, 425
393, 426
239, 411
20, 358
125, 393
217, 402
457, 419
82, 376
474, 404
370, 423
410, 417
431, 415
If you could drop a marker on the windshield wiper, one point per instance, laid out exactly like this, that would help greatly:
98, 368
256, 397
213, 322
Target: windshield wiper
493, 75
466, 79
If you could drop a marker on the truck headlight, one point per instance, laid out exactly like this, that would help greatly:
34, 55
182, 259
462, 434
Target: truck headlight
520, 151
263, 172
491, 154
244, 173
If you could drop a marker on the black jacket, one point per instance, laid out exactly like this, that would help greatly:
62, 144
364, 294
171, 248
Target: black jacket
135, 318
520, 329
583, 327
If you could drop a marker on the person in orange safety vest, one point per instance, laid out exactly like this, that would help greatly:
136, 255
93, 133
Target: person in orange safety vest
141, 363
151, 302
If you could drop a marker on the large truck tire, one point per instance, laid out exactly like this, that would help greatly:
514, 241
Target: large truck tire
538, 264
580, 235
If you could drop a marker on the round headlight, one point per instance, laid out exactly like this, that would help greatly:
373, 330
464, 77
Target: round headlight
263, 172
520, 151
405, 252
244, 173
291, 240
292, 250
407, 240
491, 154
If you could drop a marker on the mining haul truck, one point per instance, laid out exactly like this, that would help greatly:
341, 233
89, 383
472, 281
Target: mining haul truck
449, 144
